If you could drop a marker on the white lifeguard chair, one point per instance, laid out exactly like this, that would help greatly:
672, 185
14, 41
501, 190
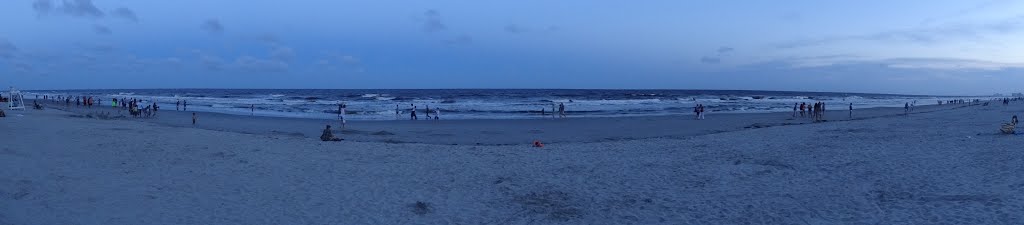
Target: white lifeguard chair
16, 101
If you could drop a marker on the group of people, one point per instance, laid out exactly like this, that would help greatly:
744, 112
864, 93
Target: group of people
698, 110
413, 109
816, 111
181, 105
559, 108
135, 107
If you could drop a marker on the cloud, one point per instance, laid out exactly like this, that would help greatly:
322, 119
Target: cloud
125, 13
460, 40
254, 64
334, 60
515, 29
210, 62
101, 48
81, 8
433, 23
282, 53
100, 29
268, 38
7, 49
42, 7
710, 60
920, 63
723, 50
920, 35
213, 26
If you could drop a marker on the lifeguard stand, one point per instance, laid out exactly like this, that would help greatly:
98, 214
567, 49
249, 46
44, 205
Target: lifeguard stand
16, 101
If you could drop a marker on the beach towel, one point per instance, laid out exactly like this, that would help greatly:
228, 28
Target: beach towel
1008, 128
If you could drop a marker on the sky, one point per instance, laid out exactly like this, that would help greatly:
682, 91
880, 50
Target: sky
940, 47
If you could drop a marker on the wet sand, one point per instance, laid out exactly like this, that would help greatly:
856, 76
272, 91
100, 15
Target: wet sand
944, 164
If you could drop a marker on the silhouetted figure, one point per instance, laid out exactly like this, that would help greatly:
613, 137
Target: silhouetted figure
328, 135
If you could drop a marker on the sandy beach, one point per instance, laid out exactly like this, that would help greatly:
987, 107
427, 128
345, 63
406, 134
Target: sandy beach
941, 164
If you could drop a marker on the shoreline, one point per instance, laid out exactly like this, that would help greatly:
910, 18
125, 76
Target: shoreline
511, 132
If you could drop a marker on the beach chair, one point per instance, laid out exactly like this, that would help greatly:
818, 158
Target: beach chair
1008, 128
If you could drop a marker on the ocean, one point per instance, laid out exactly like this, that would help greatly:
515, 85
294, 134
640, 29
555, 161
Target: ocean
381, 104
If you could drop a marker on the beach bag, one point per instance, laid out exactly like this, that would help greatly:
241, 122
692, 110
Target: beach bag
1007, 128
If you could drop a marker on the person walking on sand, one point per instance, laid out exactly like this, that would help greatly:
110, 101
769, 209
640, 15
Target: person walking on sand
561, 110
194, 117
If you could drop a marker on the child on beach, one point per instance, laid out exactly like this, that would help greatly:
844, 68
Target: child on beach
437, 113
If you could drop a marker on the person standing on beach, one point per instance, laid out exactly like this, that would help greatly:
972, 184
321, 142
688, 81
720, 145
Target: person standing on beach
553, 110
427, 112
437, 113
177, 105
701, 111
561, 110
851, 110
412, 113
803, 109
184, 105
794, 109
252, 109
906, 108
696, 111
341, 114
194, 117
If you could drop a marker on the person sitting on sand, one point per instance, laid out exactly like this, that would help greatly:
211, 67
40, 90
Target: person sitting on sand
328, 135
2, 114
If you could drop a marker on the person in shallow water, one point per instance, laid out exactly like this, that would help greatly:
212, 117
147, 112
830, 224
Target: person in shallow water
328, 135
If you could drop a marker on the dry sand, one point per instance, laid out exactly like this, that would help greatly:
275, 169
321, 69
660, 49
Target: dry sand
944, 164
